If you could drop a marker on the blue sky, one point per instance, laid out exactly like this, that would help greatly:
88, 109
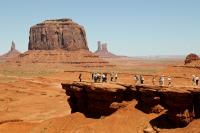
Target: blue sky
130, 27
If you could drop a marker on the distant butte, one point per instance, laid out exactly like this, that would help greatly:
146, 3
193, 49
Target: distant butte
57, 34
191, 58
102, 51
12, 53
59, 41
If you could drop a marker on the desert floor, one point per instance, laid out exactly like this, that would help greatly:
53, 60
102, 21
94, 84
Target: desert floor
31, 96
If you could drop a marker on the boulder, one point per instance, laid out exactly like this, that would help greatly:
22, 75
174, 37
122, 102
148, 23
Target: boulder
57, 34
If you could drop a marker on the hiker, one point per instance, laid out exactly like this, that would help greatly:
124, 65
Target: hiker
136, 79
197, 80
80, 77
92, 76
116, 76
161, 80
103, 76
141, 79
111, 77
153, 80
106, 75
194, 79
98, 77
95, 77
169, 80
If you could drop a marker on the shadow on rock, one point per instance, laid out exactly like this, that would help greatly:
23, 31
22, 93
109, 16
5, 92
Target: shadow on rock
162, 122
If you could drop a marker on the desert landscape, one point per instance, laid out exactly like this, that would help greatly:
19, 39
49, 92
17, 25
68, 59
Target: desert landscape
41, 91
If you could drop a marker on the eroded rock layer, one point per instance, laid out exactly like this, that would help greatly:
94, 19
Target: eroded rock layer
81, 58
96, 100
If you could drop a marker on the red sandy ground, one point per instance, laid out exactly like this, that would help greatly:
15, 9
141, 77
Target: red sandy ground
32, 100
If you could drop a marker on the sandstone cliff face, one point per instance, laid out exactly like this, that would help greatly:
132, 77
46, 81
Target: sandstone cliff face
57, 34
95, 100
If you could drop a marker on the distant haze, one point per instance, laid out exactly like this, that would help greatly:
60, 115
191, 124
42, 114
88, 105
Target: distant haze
130, 27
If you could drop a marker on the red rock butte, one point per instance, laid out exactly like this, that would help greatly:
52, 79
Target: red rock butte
59, 41
191, 57
102, 51
57, 34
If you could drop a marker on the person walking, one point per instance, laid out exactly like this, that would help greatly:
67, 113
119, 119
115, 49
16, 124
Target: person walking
193, 79
161, 80
141, 79
169, 80
92, 76
137, 79
103, 77
111, 77
80, 77
106, 77
98, 77
197, 80
116, 77
154, 80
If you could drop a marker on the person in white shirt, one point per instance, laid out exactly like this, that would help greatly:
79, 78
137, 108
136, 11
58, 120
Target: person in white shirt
169, 80
193, 79
162, 80
153, 80
116, 76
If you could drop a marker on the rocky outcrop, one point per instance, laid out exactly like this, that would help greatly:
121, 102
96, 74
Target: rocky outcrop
191, 57
95, 100
57, 34
10, 54
102, 50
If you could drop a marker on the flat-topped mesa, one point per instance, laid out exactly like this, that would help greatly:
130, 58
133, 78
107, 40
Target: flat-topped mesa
57, 34
64, 20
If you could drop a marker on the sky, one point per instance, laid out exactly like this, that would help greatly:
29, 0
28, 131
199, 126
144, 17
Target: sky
129, 27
